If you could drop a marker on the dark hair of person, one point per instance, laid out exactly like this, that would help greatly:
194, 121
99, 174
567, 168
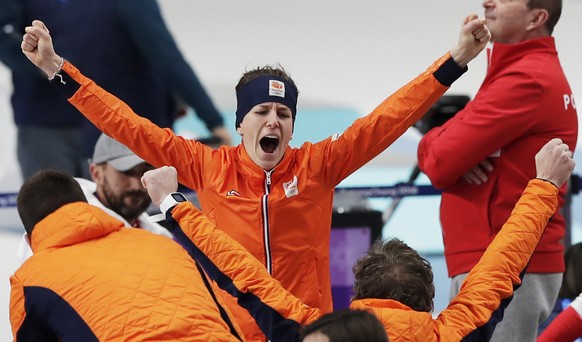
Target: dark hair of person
554, 8
348, 326
266, 70
45, 192
393, 270
572, 281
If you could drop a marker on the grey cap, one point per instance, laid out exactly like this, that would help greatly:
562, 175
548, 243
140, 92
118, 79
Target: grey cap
108, 150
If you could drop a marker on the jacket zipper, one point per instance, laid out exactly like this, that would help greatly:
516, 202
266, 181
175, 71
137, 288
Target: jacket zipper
267, 238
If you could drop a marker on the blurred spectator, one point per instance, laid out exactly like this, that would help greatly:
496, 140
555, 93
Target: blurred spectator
123, 45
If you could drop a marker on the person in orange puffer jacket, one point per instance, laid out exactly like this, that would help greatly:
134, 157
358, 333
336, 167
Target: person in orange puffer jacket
92, 279
393, 281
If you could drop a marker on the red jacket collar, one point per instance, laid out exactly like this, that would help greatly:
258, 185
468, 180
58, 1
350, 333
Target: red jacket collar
502, 55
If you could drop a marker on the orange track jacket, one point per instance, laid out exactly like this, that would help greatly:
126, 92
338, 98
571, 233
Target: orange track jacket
282, 217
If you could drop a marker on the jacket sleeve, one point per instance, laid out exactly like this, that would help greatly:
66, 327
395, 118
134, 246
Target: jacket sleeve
567, 326
144, 22
158, 146
278, 313
493, 119
493, 279
369, 136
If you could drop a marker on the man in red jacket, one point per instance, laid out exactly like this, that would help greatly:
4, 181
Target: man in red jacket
483, 157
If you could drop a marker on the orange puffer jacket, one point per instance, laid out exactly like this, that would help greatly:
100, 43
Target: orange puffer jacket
91, 279
474, 312
281, 216
277, 312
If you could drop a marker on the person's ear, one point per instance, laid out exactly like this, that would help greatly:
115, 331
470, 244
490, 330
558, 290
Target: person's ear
539, 19
239, 130
96, 172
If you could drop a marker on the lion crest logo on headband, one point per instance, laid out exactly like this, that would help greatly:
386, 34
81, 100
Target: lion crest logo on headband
276, 88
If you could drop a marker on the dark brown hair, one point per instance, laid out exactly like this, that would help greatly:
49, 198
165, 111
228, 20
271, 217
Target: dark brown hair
348, 326
554, 8
266, 70
43, 193
393, 270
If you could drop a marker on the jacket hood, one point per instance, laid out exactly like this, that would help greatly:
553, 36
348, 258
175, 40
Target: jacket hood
71, 224
400, 321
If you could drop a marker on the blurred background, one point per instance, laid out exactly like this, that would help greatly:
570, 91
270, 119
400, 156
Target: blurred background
345, 57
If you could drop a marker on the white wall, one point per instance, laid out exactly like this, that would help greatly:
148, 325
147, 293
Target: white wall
348, 54
341, 53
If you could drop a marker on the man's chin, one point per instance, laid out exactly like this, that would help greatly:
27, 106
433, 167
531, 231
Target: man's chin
135, 208
131, 214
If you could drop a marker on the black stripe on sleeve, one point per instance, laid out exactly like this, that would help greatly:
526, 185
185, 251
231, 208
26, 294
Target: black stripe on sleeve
449, 72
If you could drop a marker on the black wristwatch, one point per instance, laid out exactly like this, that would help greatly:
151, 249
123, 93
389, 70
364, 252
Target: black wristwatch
171, 201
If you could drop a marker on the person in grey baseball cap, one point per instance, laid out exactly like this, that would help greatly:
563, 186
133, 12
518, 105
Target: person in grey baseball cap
117, 155
116, 171
116, 188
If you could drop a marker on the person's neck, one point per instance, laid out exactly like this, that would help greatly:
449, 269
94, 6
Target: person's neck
534, 34
528, 35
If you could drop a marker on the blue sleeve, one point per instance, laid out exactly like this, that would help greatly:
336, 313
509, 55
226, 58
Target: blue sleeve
144, 22
449, 72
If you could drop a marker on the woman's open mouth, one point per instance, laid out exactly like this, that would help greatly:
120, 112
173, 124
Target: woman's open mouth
269, 143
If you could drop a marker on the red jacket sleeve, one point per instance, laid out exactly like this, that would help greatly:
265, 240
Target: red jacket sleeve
566, 327
482, 128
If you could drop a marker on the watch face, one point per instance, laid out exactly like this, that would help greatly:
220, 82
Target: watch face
179, 197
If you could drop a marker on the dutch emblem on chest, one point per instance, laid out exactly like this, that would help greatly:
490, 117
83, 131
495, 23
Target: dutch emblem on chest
291, 187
